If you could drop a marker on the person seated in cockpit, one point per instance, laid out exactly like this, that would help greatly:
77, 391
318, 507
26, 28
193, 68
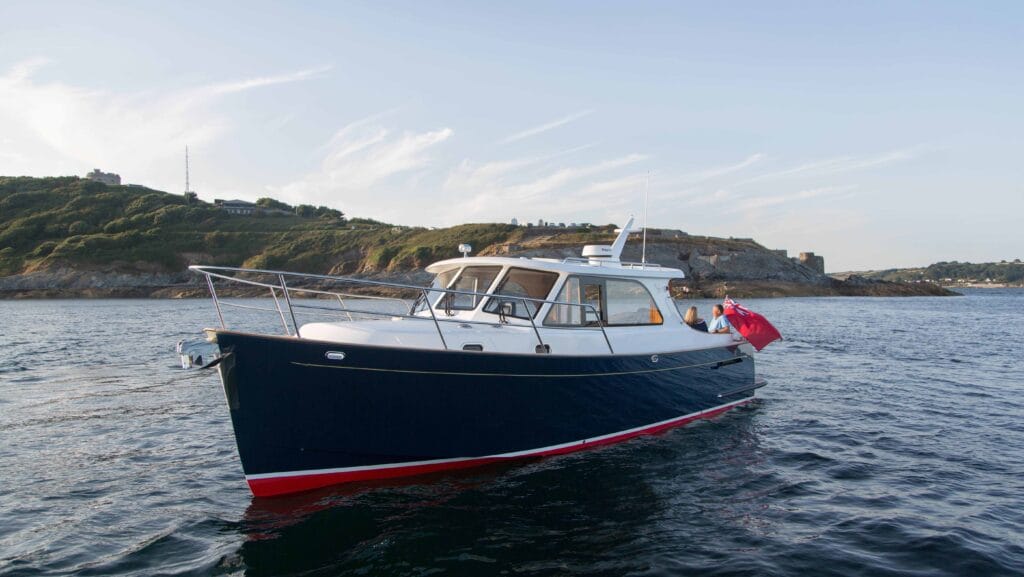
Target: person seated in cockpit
694, 321
719, 324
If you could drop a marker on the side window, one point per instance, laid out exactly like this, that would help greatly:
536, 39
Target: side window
629, 303
521, 282
679, 288
586, 296
611, 301
473, 279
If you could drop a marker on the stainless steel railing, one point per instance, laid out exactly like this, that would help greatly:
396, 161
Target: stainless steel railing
287, 291
621, 264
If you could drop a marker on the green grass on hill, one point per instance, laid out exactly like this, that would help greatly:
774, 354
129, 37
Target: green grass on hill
67, 221
997, 272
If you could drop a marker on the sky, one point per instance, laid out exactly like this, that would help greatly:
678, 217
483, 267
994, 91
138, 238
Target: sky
877, 134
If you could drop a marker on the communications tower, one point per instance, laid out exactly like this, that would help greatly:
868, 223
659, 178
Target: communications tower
190, 195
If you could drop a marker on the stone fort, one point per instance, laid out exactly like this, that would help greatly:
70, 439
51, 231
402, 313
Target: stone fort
813, 261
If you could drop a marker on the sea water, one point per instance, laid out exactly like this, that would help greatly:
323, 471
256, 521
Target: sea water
889, 441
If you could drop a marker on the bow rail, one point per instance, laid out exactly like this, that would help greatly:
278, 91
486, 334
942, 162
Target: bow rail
293, 296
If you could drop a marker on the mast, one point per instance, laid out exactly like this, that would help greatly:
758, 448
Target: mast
643, 253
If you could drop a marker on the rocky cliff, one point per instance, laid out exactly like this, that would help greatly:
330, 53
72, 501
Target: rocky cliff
712, 267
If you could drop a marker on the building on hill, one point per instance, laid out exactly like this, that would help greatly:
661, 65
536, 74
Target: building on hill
241, 207
280, 211
108, 178
812, 261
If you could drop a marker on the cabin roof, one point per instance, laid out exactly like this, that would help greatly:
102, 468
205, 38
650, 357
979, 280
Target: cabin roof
583, 267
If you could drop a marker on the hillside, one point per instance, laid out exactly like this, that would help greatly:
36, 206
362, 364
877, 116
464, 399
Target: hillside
72, 237
951, 274
53, 224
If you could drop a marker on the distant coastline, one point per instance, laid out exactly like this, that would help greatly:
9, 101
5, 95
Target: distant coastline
983, 286
739, 290
66, 237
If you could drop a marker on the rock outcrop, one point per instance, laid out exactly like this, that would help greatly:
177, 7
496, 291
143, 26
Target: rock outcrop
712, 267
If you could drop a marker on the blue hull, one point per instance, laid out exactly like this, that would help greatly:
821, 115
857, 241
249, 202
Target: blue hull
304, 420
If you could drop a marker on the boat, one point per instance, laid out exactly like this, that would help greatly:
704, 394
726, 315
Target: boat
499, 358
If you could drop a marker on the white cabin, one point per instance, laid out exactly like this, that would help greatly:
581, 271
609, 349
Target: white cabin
580, 307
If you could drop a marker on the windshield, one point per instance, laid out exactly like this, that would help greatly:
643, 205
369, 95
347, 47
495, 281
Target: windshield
475, 279
441, 281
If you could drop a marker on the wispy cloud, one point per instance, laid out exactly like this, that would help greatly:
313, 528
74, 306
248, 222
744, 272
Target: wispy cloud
12, 156
534, 131
22, 70
762, 202
496, 188
360, 158
261, 81
498, 173
699, 187
344, 133
837, 165
719, 171
726, 187
69, 128
626, 184
564, 176
720, 196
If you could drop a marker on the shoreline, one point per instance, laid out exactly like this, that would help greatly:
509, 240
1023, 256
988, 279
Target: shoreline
720, 289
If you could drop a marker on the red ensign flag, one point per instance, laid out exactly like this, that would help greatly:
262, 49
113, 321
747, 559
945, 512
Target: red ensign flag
754, 327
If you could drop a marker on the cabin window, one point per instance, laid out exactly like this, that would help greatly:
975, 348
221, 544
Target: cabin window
613, 302
629, 303
440, 282
586, 296
679, 288
521, 282
475, 279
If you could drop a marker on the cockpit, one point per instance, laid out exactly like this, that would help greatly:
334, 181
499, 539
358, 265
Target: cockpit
566, 299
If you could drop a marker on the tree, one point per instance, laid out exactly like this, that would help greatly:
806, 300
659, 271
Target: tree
329, 213
273, 203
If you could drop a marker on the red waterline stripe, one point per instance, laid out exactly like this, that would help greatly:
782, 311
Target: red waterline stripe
283, 485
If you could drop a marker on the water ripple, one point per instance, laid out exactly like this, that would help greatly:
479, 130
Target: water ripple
873, 452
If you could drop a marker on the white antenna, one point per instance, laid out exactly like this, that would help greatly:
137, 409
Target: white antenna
186, 169
643, 253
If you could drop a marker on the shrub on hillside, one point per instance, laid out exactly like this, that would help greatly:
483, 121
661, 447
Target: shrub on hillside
116, 225
19, 235
44, 249
169, 215
80, 227
273, 203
